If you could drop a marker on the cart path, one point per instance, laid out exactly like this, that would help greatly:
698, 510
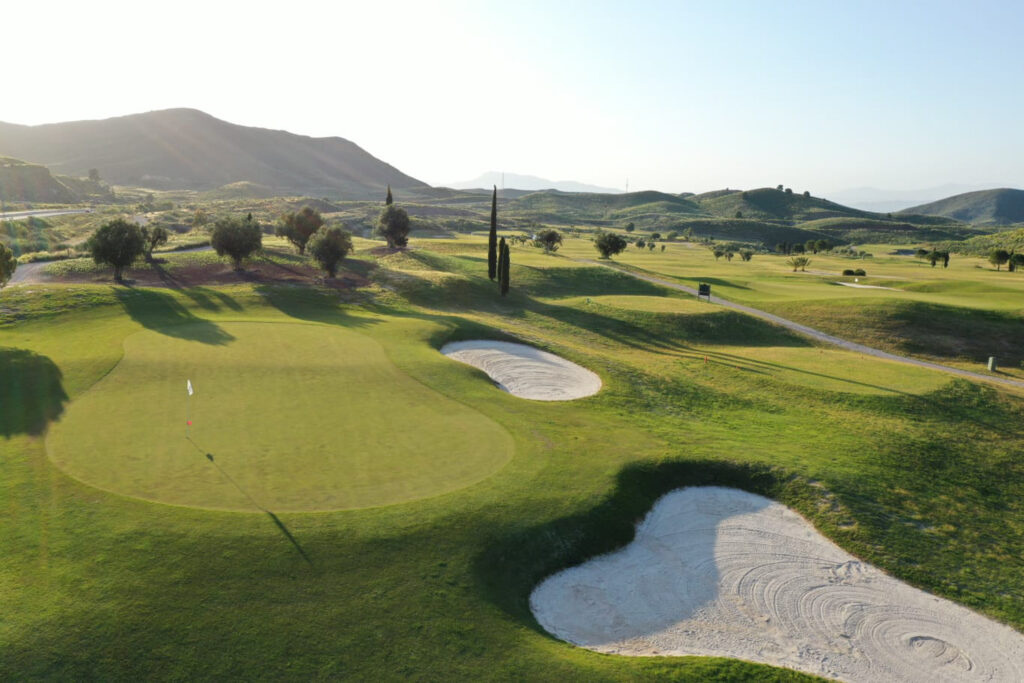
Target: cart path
813, 333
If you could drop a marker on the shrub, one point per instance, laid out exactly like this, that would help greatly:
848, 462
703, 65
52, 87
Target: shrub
860, 272
849, 272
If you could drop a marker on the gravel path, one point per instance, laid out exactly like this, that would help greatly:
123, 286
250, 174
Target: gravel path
817, 334
28, 273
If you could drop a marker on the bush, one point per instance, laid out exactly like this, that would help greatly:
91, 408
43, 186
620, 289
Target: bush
849, 272
860, 272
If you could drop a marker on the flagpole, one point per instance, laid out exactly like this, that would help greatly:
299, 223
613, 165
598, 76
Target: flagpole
188, 409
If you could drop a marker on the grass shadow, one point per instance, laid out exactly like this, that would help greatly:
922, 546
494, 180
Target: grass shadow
313, 304
31, 392
163, 313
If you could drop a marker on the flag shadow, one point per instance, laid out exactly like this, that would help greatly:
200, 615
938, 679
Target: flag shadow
274, 518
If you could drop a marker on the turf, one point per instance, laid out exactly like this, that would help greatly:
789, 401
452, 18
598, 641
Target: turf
287, 417
918, 474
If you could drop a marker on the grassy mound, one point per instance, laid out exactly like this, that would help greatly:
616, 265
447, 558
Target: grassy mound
287, 417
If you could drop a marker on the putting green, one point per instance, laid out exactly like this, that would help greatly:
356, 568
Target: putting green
296, 417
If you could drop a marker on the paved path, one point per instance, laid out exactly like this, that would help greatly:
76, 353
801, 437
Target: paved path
39, 213
817, 334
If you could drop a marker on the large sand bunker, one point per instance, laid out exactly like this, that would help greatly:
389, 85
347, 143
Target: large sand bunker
722, 572
526, 372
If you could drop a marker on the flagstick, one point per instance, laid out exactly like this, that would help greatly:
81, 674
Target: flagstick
188, 416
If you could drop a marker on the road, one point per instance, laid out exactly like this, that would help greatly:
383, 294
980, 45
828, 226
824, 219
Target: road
817, 334
41, 213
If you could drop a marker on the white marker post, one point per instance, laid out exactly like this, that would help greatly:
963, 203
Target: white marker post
188, 408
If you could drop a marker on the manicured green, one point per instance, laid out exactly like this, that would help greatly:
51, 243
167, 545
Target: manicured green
296, 417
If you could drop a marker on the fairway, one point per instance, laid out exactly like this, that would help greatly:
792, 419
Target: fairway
294, 417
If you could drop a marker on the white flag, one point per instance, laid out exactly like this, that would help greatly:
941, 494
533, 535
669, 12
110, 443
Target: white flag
188, 383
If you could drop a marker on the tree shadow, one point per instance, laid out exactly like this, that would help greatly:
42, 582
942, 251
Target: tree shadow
163, 313
31, 392
313, 304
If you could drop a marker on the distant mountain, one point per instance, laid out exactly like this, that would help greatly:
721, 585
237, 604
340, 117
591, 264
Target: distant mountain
188, 149
985, 207
23, 182
886, 201
527, 182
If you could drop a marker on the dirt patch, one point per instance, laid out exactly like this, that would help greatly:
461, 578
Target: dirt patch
721, 572
260, 272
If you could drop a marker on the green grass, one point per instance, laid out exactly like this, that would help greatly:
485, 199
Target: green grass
319, 438
961, 314
912, 471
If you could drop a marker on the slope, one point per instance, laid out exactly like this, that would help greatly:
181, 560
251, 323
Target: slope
989, 207
188, 149
22, 182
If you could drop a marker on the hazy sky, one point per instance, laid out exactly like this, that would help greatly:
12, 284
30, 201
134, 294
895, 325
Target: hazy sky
677, 96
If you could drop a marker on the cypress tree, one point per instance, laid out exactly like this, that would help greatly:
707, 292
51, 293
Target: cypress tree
388, 200
492, 238
503, 268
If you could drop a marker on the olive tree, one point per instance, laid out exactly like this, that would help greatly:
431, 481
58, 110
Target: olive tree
297, 227
153, 238
997, 257
329, 246
610, 244
237, 238
8, 264
549, 239
393, 226
117, 244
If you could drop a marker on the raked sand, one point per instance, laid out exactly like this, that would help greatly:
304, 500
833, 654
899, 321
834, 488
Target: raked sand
525, 371
722, 572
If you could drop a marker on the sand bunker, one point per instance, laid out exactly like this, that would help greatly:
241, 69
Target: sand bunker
722, 572
859, 286
525, 371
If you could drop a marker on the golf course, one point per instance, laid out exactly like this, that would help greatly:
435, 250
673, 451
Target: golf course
339, 499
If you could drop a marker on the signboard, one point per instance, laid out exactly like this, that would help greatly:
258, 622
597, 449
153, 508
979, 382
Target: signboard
704, 289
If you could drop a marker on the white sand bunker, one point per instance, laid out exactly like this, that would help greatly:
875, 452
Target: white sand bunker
722, 572
525, 371
859, 286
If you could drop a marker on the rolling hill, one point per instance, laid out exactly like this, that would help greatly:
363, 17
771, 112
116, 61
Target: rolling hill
772, 204
189, 149
555, 206
985, 207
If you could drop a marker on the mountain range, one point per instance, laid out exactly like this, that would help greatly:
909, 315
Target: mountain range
530, 183
189, 149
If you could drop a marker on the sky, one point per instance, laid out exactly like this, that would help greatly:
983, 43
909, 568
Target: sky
674, 96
